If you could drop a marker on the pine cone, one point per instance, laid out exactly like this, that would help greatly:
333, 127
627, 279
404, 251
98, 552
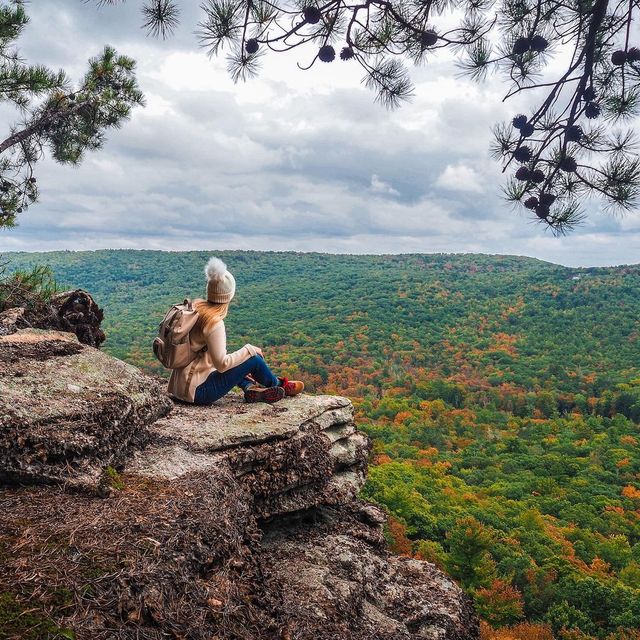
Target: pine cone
537, 176
523, 174
589, 94
346, 53
618, 57
521, 45
547, 199
542, 212
428, 38
568, 164
522, 154
531, 203
312, 15
527, 130
519, 121
251, 46
573, 133
592, 110
538, 43
327, 53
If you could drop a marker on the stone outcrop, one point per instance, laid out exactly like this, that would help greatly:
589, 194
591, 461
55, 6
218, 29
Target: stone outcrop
68, 411
335, 574
230, 521
292, 455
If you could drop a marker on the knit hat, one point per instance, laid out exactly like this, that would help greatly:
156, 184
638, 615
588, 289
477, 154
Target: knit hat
221, 285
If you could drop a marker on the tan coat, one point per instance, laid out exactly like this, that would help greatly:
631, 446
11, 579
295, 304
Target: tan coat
183, 382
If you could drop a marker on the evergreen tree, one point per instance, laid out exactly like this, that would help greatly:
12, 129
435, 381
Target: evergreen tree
567, 149
53, 114
469, 559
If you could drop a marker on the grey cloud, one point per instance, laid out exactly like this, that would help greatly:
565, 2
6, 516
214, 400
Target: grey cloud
284, 163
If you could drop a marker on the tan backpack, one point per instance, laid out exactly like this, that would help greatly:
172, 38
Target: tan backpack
173, 345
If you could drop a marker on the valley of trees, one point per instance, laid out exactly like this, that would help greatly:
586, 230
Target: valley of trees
502, 395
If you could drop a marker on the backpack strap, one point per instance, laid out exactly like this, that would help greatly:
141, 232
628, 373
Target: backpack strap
192, 365
191, 369
189, 304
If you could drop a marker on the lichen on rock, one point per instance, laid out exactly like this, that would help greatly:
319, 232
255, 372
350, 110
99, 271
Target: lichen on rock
68, 410
292, 455
334, 573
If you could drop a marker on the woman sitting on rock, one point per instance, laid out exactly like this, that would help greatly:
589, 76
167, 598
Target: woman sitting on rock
215, 372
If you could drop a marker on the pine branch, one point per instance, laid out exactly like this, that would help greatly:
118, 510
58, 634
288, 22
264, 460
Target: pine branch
69, 123
559, 156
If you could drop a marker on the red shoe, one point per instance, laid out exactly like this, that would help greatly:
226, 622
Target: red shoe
291, 387
263, 394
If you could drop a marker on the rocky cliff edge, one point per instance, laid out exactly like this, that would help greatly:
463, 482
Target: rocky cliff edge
124, 516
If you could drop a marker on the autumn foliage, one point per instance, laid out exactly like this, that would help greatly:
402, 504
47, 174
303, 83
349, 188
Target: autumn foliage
502, 396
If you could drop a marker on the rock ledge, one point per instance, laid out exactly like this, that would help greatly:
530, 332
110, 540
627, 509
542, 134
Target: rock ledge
68, 411
233, 521
295, 454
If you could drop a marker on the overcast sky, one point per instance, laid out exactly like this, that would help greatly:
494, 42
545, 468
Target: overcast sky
292, 160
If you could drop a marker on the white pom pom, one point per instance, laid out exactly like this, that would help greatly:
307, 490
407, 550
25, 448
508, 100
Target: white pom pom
215, 269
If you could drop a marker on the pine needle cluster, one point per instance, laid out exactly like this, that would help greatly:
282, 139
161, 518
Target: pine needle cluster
572, 145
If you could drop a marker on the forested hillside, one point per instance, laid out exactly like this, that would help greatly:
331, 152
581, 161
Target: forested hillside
502, 393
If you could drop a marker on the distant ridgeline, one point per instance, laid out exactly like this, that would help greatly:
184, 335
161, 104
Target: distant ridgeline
502, 393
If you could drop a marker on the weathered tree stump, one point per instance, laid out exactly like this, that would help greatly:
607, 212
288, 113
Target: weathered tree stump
76, 311
72, 311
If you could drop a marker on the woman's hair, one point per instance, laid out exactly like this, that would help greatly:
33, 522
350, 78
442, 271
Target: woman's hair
210, 312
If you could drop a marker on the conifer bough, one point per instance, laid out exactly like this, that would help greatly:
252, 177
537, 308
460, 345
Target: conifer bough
55, 115
579, 111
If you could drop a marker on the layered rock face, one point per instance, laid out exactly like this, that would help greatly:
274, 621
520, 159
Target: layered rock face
67, 411
230, 521
334, 574
293, 455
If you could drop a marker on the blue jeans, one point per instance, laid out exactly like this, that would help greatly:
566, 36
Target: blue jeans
219, 384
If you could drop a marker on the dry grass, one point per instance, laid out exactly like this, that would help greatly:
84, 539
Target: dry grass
156, 560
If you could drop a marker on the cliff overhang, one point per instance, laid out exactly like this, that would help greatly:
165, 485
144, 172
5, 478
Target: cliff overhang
124, 516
